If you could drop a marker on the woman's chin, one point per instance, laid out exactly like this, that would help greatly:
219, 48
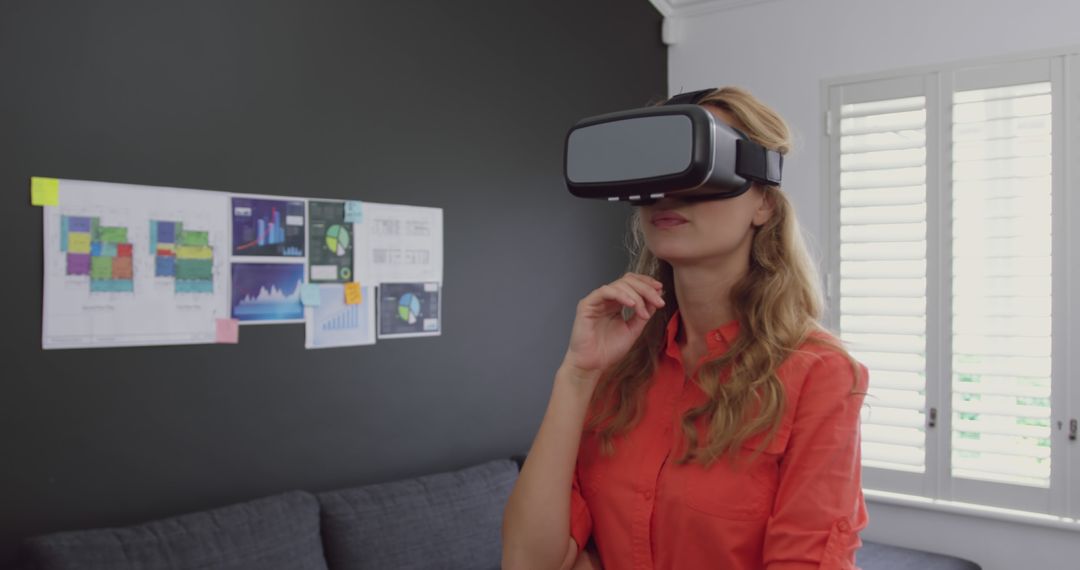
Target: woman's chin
673, 257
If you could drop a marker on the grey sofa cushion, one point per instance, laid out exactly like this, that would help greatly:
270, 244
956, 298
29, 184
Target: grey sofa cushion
278, 532
875, 556
445, 521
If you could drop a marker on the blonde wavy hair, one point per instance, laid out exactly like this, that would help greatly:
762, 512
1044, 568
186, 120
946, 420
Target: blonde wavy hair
778, 304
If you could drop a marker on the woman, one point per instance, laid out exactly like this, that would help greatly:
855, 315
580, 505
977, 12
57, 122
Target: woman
721, 421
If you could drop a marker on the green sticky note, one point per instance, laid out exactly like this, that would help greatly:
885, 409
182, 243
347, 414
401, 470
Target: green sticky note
44, 191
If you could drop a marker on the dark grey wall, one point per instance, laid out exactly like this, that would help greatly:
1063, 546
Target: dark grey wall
458, 105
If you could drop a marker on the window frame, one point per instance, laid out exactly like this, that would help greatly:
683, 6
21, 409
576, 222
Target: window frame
936, 488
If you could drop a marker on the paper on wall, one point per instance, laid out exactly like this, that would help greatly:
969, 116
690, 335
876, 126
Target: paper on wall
410, 310
335, 323
398, 243
129, 265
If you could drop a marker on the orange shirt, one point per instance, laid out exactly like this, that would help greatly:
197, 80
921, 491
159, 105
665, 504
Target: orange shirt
798, 506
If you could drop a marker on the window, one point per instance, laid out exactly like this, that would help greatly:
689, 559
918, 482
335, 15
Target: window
948, 275
883, 270
1001, 334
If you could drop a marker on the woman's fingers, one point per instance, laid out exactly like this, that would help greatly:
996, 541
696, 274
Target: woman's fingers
628, 292
651, 282
643, 310
610, 292
639, 292
646, 287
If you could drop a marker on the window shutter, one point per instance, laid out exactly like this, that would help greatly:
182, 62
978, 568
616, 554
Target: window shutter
883, 271
1001, 318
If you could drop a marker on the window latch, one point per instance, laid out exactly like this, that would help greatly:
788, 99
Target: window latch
1072, 429
932, 422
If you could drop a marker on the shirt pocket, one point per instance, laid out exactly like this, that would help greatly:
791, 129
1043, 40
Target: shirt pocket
744, 491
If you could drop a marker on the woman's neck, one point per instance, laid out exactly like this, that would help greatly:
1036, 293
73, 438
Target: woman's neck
703, 293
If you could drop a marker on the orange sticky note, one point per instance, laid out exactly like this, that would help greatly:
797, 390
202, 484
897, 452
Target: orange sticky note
352, 293
44, 191
228, 331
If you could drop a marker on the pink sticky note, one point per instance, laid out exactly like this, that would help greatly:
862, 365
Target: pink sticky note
228, 331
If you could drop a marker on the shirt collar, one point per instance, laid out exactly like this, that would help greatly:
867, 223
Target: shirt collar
717, 340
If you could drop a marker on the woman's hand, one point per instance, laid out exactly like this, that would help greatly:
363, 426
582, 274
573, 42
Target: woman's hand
600, 335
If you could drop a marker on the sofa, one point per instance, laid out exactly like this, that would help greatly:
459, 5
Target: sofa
450, 520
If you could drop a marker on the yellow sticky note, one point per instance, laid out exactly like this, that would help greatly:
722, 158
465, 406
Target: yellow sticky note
352, 293
44, 191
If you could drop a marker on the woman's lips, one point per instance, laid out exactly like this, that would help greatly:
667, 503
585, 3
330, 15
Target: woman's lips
667, 219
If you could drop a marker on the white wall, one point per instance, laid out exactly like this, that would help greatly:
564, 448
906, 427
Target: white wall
781, 50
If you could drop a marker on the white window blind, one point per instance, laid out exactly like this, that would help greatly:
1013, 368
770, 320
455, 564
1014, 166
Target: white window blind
1001, 284
883, 271
952, 275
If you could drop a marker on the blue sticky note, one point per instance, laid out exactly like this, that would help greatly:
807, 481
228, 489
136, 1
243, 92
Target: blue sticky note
310, 295
354, 212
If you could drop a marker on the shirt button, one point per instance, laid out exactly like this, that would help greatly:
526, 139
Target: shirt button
716, 336
844, 526
647, 494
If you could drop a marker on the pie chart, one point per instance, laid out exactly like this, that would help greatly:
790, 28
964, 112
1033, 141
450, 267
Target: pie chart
409, 308
337, 239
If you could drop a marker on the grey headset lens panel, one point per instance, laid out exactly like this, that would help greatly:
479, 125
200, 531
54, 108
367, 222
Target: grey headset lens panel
630, 149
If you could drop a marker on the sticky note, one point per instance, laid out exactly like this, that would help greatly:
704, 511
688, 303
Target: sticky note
310, 295
44, 191
354, 212
228, 331
352, 294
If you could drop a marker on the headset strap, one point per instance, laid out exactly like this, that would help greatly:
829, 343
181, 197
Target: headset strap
690, 98
757, 163
752, 160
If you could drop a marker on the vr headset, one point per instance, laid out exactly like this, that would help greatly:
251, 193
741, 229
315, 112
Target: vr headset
677, 149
